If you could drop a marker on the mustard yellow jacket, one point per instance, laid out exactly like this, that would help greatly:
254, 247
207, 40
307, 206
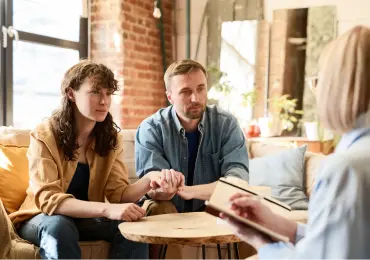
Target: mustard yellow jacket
50, 175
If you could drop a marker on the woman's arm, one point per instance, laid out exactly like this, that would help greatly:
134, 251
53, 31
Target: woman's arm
81, 209
88, 209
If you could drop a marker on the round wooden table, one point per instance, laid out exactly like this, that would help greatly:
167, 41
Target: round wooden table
196, 228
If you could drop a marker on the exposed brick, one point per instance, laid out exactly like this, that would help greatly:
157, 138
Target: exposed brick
139, 29
138, 66
129, 18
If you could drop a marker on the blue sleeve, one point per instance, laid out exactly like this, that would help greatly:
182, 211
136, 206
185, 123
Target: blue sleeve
149, 153
276, 251
234, 155
333, 225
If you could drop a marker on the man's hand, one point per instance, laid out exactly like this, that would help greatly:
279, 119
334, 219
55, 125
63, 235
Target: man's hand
166, 183
186, 193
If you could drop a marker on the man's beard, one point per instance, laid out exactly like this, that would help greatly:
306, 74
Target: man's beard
194, 114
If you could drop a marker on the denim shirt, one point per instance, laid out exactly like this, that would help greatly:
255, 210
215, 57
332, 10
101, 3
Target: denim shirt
161, 144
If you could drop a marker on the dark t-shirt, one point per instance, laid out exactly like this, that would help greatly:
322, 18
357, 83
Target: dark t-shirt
79, 185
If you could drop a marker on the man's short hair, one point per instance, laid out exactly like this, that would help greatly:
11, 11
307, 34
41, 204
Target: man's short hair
181, 67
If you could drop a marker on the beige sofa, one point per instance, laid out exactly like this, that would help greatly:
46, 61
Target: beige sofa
100, 249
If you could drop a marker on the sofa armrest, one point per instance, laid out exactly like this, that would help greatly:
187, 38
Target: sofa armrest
5, 232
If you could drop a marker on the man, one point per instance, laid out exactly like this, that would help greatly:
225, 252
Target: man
202, 142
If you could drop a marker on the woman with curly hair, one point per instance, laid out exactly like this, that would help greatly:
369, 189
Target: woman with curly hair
75, 163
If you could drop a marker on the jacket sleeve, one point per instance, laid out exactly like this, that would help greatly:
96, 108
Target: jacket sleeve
117, 180
45, 181
149, 153
234, 156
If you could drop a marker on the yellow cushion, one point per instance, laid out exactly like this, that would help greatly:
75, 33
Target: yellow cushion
14, 176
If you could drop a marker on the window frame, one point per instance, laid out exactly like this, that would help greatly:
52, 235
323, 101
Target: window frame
6, 55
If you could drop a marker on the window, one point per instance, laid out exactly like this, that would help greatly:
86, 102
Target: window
41, 39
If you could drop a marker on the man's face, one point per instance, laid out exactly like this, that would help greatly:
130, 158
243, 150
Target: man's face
188, 94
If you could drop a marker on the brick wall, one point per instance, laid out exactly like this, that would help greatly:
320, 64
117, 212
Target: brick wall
125, 37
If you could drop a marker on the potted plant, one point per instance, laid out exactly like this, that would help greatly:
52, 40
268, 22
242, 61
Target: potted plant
283, 116
220, 86
252, 128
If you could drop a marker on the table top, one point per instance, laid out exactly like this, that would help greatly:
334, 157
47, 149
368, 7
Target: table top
195, 228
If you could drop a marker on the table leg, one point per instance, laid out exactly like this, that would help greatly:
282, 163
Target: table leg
204, 251
162, 252
236, 249
229, 251
219, 251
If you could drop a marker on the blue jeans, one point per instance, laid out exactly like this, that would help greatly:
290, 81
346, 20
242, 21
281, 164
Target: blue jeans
58, 236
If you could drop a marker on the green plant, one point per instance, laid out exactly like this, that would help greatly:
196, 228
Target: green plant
284, 109
249, 98
219, 80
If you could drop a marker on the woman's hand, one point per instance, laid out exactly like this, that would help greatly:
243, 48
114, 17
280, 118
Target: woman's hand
248, 235
126, 211
169, 181
250, 207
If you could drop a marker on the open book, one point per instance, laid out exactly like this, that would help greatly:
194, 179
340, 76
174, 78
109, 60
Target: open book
219, 202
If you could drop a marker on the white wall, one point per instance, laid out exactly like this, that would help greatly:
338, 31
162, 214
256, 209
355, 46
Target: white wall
349, 12
196, 11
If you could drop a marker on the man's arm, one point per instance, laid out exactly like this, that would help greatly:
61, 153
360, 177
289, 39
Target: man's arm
234, 155
149, 156
200, 192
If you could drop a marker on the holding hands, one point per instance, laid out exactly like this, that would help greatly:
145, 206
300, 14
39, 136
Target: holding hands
167, 181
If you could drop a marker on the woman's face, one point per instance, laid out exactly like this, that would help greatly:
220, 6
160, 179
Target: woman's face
93, 102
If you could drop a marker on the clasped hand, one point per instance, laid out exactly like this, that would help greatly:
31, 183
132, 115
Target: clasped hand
167, 181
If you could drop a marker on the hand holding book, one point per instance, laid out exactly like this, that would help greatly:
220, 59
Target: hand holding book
249, 215
250, 207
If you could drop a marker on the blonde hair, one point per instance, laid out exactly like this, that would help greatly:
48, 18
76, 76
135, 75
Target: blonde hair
181, 67
343, 90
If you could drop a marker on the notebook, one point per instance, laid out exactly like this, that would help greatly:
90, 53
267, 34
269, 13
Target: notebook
219, 202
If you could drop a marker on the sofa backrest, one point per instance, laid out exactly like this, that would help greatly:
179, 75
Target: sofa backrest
20, 137
312, 160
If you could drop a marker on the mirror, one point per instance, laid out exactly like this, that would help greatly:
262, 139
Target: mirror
297, 39
261, 60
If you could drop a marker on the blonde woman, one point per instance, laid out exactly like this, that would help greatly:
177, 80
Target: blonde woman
339, 209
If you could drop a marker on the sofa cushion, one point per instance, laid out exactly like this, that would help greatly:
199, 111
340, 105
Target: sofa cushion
14, 136
128, 137
13, 176
284, 173
263, 148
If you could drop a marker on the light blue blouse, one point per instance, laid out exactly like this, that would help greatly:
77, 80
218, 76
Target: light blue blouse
339, 209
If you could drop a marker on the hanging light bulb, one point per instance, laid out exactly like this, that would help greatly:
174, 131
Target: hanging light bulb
157, 12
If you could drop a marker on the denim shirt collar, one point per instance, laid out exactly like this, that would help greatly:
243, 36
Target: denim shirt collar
361, 128
180, 129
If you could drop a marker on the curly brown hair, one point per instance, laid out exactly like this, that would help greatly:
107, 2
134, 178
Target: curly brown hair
63, 120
